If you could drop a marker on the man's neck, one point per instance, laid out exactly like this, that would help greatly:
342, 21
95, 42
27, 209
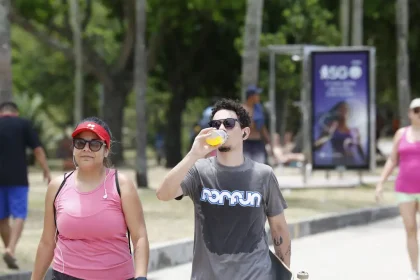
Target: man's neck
231, 158
8, 114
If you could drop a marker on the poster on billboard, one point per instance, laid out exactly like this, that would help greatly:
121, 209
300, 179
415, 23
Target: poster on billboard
340, 118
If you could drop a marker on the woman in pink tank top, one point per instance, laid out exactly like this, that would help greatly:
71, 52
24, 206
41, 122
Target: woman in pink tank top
406, 154
87, 214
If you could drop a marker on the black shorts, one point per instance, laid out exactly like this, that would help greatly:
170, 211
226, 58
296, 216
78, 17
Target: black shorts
61, 276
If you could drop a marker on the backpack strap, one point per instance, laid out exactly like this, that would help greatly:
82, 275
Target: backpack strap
117, 184
58, 191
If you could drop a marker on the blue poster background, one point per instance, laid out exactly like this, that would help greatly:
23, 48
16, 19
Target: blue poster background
340, 109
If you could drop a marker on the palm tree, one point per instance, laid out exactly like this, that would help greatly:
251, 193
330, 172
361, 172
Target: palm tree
251, 55
140, 85
357, 23
403, 60
5, 53
78, 54
345, 21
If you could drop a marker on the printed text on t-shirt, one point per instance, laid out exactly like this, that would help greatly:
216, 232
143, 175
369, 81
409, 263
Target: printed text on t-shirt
245, 199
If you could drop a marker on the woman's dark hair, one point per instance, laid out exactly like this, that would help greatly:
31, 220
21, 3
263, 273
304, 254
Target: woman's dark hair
107, 160
337, 106
331, 114
235, 106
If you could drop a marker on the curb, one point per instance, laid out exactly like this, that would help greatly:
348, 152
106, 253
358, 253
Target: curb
169, 254
336, 183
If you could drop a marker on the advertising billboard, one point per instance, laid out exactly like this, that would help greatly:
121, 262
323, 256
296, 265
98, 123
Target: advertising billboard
340, 102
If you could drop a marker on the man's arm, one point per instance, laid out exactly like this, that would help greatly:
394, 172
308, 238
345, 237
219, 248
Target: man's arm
266, 135
42, 160
32, 141
281, 237
275, 205
181, 180
170, 188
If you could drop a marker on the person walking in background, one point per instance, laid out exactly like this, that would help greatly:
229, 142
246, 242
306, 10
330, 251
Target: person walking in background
255, 144
284, 153
233, 196
406, 153
204, 122
88, 213
159, 147
16, 134
65, 151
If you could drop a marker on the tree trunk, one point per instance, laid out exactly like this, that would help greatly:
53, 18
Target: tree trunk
140, 86
251, 52
113, 116
173, 129
403, 72
345, 21
5, 53
78, 54
357, 23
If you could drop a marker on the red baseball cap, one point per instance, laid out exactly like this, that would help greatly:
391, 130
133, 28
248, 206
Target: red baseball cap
95, 128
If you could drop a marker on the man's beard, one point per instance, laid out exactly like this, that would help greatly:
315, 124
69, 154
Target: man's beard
224, 149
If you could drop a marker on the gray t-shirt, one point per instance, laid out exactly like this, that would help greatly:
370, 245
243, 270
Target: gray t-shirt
231, 207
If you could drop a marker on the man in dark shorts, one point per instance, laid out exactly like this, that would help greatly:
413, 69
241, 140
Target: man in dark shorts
16, 134
233, 196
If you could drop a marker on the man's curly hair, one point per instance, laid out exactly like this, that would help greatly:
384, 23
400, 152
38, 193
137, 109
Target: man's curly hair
235, 106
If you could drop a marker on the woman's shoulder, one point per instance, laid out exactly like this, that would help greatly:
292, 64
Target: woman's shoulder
400, 131
124, 181
56, 183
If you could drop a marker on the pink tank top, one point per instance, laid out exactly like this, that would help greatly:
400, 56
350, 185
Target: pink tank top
408, 179
92, 242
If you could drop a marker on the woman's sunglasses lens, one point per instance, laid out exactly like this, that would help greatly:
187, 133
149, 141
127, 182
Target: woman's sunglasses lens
79, 144
95, 146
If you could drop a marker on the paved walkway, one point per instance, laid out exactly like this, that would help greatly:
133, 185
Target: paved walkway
375, 251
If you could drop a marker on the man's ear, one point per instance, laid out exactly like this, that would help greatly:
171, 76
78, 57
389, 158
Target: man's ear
245, 133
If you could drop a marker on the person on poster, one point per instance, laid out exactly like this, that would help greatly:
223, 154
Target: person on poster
344, 139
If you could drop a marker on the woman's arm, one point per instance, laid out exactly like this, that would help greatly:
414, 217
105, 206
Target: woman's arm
45, 252
325, 136
392, 160
134, 218
358, 145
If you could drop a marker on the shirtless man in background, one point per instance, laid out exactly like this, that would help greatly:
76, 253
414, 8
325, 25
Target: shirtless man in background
254, 146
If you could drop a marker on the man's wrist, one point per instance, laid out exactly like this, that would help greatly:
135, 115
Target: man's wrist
191, 157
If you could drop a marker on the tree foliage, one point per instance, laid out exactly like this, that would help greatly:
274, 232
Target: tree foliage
194, 53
